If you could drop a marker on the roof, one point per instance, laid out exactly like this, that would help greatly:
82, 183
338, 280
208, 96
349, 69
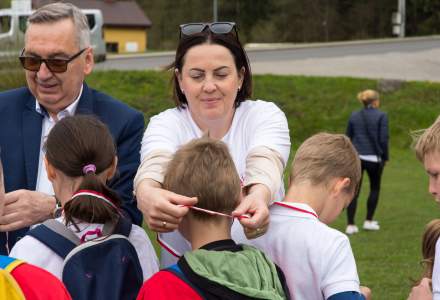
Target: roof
116, 13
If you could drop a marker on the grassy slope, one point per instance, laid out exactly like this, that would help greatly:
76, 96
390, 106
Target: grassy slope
386, 259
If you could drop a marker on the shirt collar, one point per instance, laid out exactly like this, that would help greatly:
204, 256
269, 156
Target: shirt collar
68, 111
299, 208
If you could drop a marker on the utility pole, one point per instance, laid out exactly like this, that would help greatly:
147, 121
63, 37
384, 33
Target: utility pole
402, 12
214, 10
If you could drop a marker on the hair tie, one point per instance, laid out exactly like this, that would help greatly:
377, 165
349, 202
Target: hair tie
90, 168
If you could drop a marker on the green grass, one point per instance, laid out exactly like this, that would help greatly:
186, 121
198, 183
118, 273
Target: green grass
385, 259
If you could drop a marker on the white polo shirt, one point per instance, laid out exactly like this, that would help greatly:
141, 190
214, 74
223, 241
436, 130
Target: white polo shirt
317, 260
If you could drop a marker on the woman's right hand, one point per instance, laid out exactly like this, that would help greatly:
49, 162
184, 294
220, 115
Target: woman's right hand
160, 207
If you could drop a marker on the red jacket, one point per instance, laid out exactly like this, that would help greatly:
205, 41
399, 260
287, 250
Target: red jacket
165, 285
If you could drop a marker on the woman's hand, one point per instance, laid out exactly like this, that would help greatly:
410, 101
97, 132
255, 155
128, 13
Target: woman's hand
160, 207
255, 204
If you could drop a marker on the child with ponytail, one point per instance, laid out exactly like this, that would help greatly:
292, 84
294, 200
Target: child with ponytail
80, 159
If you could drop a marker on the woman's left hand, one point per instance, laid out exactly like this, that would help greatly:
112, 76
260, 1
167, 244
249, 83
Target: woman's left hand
255, 204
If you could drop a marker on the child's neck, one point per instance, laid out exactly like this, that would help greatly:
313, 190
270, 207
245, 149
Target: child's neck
202, 233
307, 193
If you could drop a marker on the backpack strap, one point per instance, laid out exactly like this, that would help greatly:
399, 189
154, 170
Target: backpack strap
56, 236
175, 269
123, 227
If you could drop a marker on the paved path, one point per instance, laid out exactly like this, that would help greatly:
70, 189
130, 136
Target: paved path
407, 59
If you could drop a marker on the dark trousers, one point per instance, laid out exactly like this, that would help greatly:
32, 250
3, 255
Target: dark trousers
374, 172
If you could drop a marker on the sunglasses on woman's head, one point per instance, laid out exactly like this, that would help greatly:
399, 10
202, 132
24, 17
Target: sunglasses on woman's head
216, 28
55, 65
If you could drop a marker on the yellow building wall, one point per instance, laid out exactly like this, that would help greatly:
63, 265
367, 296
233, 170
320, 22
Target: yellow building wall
129, 40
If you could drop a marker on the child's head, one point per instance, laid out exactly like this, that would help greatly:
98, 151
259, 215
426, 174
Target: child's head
428, 152
203, 168
330, 162
429, 240
81, 155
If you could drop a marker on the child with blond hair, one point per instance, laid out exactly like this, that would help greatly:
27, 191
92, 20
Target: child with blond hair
427, 150
317, 260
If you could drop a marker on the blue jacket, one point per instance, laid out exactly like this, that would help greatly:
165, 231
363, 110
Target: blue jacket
377, 122
20, 137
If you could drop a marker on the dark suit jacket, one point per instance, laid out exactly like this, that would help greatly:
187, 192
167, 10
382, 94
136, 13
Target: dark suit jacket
20, 137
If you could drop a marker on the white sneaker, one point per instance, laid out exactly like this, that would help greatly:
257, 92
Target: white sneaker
351, 229
371, 225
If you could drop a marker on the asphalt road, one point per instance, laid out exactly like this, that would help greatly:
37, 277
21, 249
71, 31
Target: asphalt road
407, 59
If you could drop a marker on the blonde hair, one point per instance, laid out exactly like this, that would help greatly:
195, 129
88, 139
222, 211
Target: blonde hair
367, 97
326, 156
427, 140
429, 240
203, 168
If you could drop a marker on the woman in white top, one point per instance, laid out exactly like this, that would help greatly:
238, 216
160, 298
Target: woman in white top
212, 82
80, 158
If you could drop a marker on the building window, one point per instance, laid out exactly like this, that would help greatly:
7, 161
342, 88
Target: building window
112, 47
5, 24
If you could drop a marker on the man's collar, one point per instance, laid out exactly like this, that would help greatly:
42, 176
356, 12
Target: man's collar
68, 111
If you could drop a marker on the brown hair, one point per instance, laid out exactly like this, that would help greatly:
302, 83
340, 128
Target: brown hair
367, 97
429, 240
229, 41
73, 143
203, 168
325, 156
427, 140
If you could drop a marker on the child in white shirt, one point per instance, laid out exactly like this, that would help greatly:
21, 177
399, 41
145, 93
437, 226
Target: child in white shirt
317, 260
80, 158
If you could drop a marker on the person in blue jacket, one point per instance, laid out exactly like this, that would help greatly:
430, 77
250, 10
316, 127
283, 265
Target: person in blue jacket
368, 131
57, 57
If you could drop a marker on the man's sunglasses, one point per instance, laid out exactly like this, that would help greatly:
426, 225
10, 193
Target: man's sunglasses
55, 65
216, 27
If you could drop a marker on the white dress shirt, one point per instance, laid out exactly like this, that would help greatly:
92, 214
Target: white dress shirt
43, 183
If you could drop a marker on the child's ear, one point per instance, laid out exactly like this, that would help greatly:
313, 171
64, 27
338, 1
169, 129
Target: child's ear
341, 185
51, 174
112, 169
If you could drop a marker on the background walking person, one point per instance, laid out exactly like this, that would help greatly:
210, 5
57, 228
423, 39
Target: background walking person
368, 131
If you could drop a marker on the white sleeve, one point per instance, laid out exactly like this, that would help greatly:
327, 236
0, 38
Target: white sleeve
436, 273
162, 133
269, 129
339, 273
145, 251
32, 251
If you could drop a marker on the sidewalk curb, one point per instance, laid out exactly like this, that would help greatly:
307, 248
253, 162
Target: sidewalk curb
257, 47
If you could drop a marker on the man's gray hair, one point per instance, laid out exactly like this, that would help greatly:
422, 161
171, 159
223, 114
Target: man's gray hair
58, 11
